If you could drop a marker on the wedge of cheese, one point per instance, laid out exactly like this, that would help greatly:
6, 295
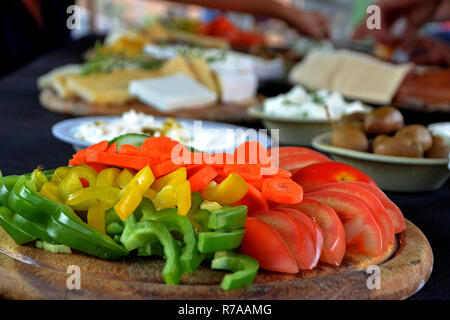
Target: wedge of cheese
203, 73
105, 88
172, 92
178, 64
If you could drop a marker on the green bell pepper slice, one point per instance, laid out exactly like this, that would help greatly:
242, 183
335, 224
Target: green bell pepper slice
12, 228
55, 222
209, 242
190, 258
139, 234
228, 218
244, 269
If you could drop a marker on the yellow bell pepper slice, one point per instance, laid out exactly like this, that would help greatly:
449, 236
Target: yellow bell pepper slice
38, 178
107, 177
129, 202
172, 178
50, 190
59, 174
183, 195
71, 182
83, 199
166, 198
144, 178
229, 191
210, 205
149, 194
96, 216
124, 178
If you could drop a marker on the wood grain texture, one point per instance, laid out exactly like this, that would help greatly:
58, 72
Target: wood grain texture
30, 273
77, 107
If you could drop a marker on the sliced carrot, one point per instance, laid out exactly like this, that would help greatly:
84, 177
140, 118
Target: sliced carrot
116, 160
191, 169
80, 154
282, 191
246, 171
97, 166
220, 159
165, 146
130, 150
201, 178
252, 152
166, 167
257, 183
112, 148
101, 146
77, 161
254, 200
281, 173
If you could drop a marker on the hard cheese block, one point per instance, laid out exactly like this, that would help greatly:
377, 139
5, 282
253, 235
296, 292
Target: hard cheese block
172, 92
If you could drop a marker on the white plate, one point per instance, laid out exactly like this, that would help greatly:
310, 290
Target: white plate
65, 131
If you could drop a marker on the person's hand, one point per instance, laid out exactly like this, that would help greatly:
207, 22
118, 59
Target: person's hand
416, 13
428, 51
309, 23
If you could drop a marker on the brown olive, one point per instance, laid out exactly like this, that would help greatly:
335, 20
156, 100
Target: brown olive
439, 149
398, 146
348, 137
383, 120
417, 133
354, 119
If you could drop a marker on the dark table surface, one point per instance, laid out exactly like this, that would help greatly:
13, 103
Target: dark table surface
26, 139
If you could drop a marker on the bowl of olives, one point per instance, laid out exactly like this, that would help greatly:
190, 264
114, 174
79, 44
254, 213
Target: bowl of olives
398, 157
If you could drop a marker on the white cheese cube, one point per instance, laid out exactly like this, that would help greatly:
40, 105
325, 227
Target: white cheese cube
172, 92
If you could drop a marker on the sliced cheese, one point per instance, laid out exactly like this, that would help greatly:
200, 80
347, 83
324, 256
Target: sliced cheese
61, 88
106, 88
172, 92
46, 80
355, 75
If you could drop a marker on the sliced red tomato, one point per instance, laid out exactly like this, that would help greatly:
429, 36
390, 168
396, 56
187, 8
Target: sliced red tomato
313, 228
325, 172
332, 227
291, 158
267, 246
298, 238
362, 233
394, 212
254, 200
378, 211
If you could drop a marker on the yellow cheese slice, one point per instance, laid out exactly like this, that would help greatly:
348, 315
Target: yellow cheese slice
204, 73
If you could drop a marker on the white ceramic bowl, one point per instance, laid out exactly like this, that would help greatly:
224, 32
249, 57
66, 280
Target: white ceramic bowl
292, 131
390, 173
65, 131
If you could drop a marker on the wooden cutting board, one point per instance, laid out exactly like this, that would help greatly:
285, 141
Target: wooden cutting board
30, 273
77, 107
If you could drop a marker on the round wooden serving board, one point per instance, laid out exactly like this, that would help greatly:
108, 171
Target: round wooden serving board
30, 273
77, 107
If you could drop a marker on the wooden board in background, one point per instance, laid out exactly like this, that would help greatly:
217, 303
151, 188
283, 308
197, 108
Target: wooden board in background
77, 107
30, 273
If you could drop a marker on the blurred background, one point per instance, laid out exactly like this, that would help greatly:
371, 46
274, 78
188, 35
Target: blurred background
29, 28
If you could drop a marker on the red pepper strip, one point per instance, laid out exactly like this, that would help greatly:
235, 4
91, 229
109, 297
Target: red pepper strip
84, 182
201, 178
166, 167
116, 160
